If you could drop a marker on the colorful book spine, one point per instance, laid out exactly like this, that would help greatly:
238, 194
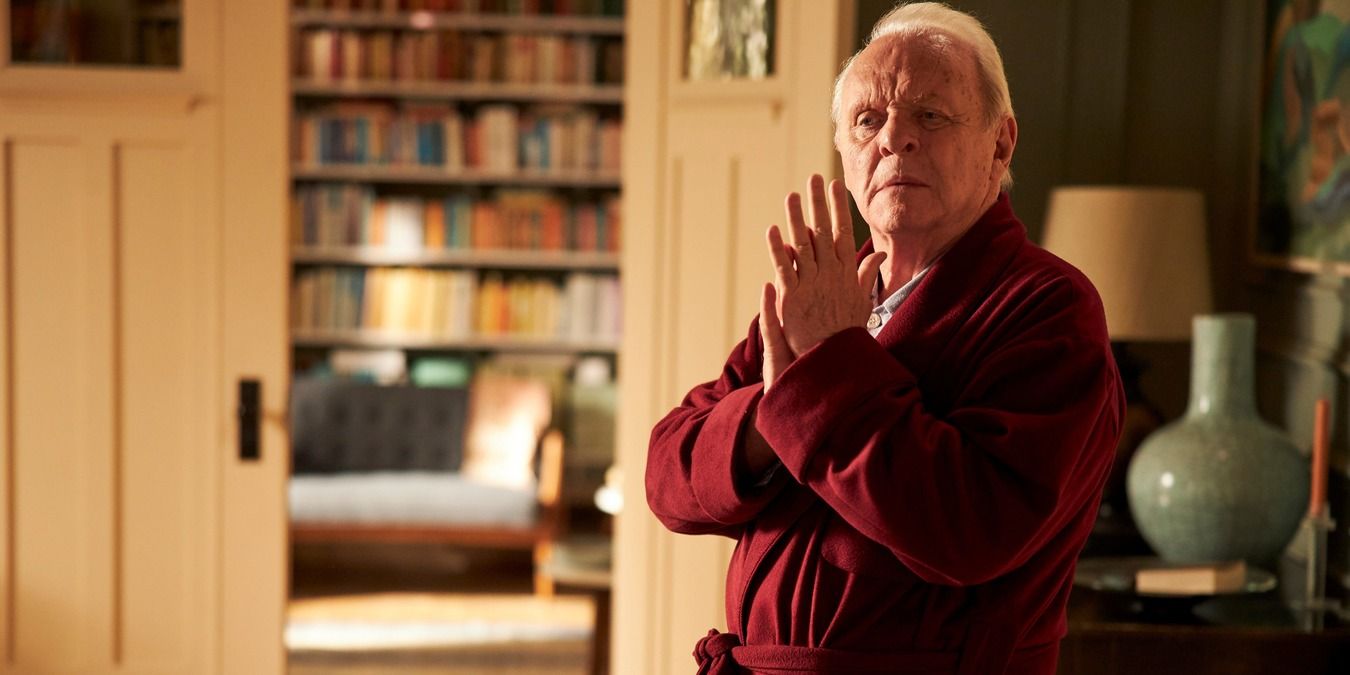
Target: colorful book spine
349, 215
456, 304
333, 55
496, 138
524, 7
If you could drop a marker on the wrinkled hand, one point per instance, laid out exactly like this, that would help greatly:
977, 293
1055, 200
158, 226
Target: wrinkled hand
820, 290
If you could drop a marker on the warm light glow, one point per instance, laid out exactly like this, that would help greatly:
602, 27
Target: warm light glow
609, 498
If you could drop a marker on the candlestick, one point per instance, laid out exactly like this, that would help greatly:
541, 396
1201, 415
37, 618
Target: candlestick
1316, 526
1314, 603
1317, 496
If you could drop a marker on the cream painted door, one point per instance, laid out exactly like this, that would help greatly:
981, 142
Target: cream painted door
142, 275
707, 165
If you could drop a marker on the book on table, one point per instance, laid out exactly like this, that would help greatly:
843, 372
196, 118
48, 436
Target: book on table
1200, 579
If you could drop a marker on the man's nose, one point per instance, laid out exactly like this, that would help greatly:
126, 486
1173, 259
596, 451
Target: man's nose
897, 136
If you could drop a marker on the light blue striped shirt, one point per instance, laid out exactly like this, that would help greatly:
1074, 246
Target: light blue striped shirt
883, 312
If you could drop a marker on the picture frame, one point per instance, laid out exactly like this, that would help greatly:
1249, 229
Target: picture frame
1303, 141
729, 39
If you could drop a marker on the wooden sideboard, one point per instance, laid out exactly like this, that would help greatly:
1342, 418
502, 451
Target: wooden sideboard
1114, 634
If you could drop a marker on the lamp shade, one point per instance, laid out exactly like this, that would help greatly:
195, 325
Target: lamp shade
1143, 248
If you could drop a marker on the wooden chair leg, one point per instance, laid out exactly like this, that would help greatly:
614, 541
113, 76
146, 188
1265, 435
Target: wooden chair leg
544, 586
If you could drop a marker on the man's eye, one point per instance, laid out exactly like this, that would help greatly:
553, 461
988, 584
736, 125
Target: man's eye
932, 118
868, 120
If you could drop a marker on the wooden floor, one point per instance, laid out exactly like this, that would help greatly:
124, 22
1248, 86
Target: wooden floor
411, 610
534, 659
420, 607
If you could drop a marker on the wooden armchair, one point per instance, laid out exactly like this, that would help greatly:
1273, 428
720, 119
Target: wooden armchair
406, 464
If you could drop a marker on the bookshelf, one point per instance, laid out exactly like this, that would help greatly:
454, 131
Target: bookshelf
412, 175
513, 344
460, 91
455, 173
500, 259
459, 20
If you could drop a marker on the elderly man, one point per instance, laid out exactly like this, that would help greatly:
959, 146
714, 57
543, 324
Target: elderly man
910, 444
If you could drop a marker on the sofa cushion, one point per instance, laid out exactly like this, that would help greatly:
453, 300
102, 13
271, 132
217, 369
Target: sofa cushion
408, 498
340, 426
507, 416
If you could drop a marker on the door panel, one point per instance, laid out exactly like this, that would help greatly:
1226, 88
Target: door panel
112, 459
167, 474
60, 400
700, 285
142, 273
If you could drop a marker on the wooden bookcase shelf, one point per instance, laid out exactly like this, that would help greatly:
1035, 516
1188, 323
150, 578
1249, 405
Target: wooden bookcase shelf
369, 256
497, 343
467, 21
435, 175
599, 94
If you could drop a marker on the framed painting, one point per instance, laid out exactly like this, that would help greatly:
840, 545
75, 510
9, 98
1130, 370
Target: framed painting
1303, 219
728, 39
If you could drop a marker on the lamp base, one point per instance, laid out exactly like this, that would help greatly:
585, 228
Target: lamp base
1114, 533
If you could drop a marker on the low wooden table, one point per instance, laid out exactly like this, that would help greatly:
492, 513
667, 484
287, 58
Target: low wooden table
582, 565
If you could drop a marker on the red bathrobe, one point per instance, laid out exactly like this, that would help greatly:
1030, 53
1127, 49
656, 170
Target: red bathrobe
937, 481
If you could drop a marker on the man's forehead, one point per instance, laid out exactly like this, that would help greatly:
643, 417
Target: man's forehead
926, 45
919, 66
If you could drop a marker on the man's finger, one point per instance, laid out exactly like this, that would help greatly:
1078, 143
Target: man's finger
770, 327
868, 270
842, 221
776, 354
801, 235
781, 257
822, 235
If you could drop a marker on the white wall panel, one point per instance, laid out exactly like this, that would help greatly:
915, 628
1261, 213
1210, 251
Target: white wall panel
61, 404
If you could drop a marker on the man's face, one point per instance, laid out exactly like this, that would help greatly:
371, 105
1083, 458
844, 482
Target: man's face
918, 150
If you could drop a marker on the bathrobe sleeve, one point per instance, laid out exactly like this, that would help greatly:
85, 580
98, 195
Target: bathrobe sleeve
693, 483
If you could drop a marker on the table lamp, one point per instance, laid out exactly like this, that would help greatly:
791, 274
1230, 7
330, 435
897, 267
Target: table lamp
1144, 249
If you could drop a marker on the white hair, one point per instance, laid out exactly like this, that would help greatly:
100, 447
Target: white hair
940, 24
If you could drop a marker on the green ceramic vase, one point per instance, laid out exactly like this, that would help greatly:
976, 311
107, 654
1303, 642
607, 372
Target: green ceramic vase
1220, 483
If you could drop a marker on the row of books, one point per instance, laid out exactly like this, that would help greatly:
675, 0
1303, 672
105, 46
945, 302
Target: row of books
456, 304
495, 137
353, 215
527, 7
455, 56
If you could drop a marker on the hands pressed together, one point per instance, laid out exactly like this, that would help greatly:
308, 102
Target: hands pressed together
818, 288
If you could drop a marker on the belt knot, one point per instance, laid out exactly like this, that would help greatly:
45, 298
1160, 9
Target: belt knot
713, 653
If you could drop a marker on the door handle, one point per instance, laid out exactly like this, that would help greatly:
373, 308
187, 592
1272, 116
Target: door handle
250, 420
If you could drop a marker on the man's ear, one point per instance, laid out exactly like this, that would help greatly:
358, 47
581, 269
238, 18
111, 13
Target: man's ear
1006, 142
